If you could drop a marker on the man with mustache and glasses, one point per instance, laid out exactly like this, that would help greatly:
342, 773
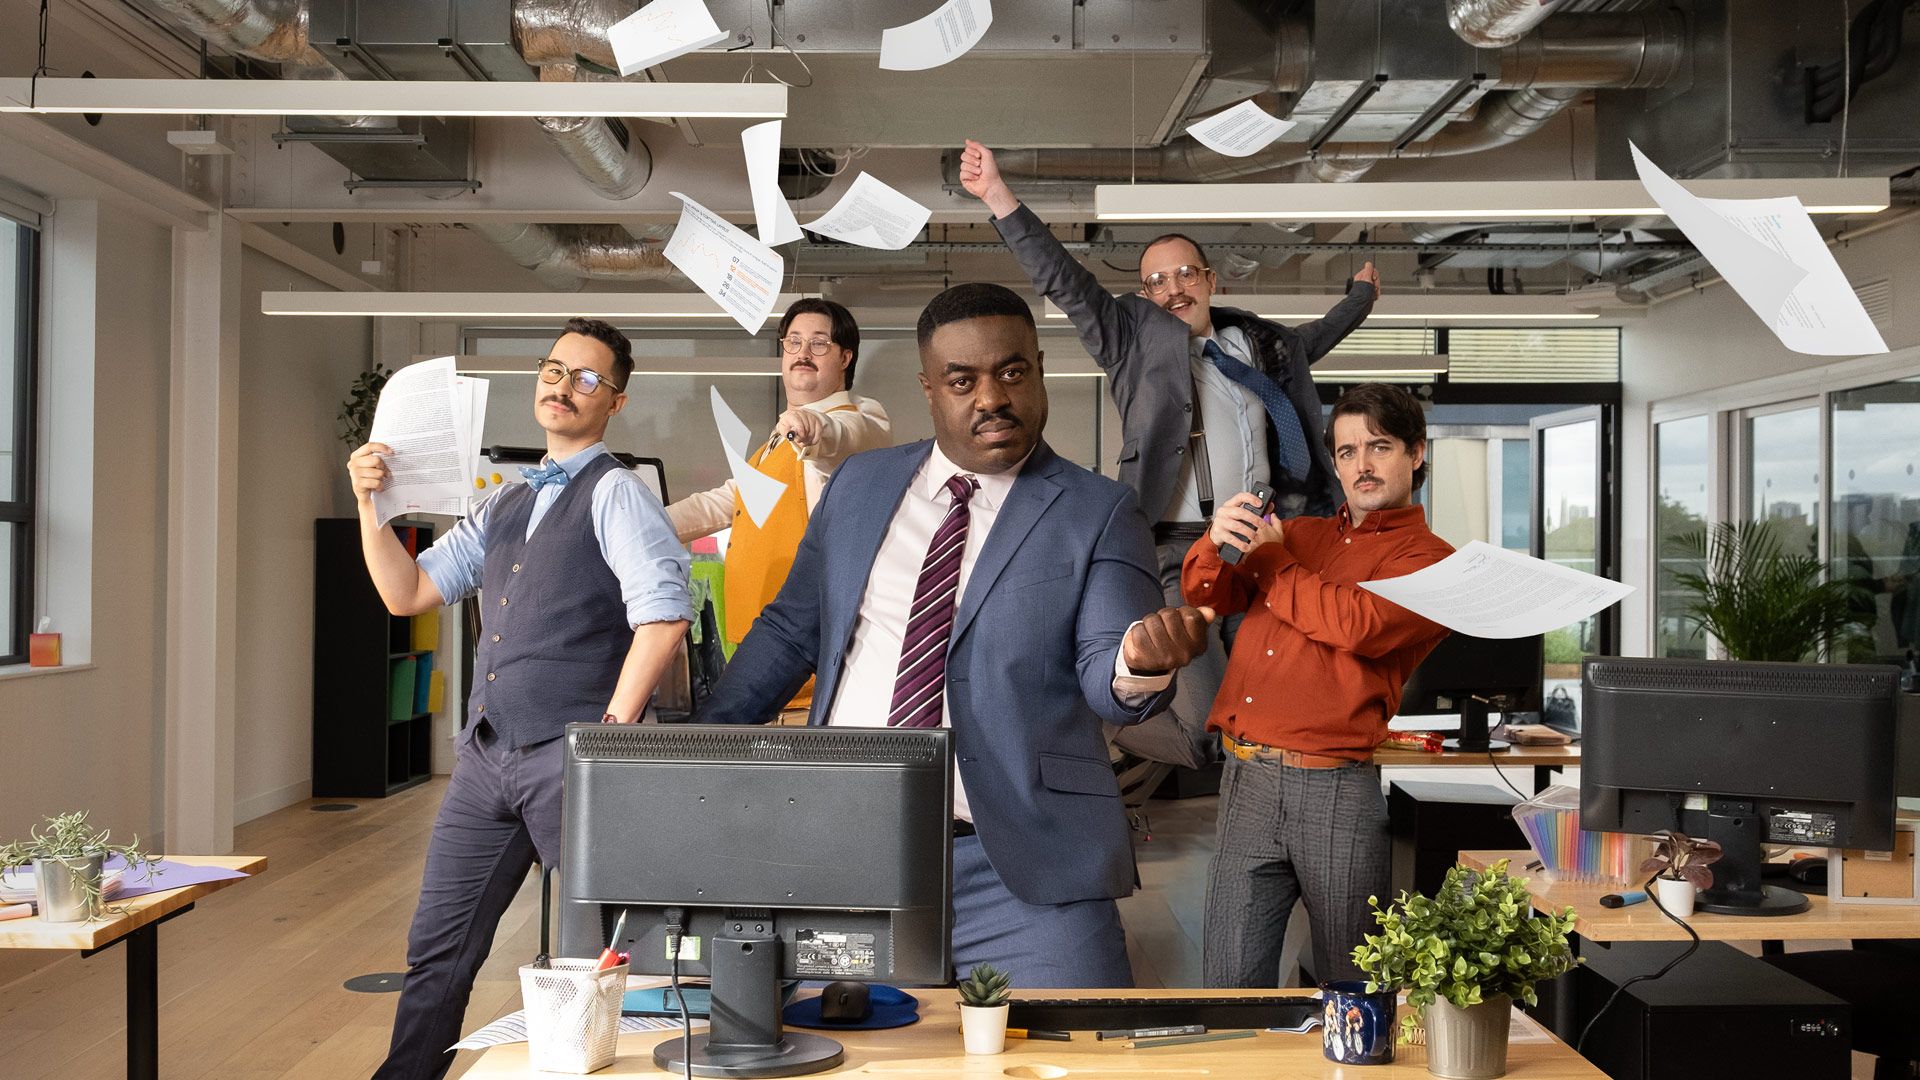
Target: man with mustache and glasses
1212, 400
824, 425
1314, 678
981, 582
585, 601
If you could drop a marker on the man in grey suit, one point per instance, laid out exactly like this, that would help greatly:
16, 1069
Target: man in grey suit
1212, 399
981, 582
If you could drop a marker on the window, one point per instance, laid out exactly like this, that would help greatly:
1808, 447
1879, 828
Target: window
1680, 512
1782, 469
1875, 517
19, 247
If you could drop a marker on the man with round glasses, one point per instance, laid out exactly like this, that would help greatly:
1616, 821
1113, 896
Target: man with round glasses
585, 603
1212, 400
822, 426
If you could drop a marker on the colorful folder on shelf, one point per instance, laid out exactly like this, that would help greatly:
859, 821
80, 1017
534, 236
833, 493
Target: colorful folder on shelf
423, 682
426, 631
400, 683
436, 691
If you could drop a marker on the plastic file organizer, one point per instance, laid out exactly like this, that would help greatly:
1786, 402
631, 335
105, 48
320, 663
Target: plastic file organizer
1551, 824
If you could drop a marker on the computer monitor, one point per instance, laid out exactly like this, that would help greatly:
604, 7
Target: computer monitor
779, 853
1744, 754
1470, 676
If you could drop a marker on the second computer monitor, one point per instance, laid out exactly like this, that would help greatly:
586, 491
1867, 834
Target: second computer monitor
1474, 676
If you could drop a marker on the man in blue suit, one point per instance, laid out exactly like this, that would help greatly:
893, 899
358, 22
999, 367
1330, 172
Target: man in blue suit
980, 582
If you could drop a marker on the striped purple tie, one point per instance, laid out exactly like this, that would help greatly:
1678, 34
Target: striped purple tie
919, 690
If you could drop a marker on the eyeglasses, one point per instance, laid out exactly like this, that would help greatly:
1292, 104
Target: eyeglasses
1188, 276
583, 380
794, 344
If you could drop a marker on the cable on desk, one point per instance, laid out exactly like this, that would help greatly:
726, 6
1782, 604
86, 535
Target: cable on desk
674, 919
1653, 897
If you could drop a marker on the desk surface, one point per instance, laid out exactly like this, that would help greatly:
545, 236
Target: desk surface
140, 911
1644, 922
1518, 757
932, 1048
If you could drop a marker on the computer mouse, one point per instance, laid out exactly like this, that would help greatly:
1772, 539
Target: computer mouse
1809, 871
844, 1002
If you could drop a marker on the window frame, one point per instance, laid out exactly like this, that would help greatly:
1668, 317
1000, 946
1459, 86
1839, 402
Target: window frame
18, 512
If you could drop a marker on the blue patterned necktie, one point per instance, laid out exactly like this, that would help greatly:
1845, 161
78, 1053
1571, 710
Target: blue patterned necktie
550, 473
1294, 455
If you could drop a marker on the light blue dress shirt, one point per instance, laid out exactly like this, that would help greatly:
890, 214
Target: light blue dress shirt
635, 538
1236, 425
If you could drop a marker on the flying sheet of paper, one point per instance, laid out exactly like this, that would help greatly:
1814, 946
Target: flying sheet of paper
871, 214
772, 217
1770, 252
661, 31
420, 418
758, 491
1240, 131
740, 273
1485, 591
940, 38
512, 1028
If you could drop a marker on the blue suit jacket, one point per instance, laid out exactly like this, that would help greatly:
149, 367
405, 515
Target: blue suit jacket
1068, 567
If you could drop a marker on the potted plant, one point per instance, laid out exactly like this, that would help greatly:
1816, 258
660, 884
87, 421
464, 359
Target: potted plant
1463, 956
1760, 602
356, 412
68, 861
1679, 863
983, 1010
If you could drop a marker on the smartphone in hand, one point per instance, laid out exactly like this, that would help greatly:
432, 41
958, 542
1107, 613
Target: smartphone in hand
1264, 492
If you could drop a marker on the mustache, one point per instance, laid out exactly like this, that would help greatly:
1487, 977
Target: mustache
798, 364
1003, 414
556, 399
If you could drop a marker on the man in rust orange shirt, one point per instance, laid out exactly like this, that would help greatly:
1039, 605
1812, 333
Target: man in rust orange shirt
1313, 679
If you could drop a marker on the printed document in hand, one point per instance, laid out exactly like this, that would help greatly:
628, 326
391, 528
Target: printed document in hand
940, 38
420, 417
661, 31
471, 397
740, 273
1770, 252
758, 491
871, 214
1485, 591
1239, 131
772, 217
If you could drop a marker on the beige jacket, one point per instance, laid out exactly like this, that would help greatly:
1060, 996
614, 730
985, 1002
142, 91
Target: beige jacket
842, 435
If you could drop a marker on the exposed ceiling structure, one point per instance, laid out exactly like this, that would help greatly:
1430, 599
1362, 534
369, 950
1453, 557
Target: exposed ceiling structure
1079, 92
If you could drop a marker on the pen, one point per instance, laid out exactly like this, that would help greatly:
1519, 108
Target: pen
610, 957
1180, 1040
1041, 1034
1153, 1033
1625, 899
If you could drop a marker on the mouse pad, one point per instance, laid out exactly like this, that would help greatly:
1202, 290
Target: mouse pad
889, 1008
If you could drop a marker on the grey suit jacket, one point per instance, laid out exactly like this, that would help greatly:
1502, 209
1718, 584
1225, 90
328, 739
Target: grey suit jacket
1144, 351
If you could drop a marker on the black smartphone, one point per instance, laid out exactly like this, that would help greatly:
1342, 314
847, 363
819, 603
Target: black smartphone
1264, 492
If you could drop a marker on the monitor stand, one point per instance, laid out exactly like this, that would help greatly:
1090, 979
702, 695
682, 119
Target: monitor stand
1737, 889
1473, 729
744, 1036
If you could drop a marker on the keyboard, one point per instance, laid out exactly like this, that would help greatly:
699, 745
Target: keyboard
1112, 1014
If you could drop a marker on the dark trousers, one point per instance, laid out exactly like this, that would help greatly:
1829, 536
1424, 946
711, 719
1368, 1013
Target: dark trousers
501, 812
1044, 946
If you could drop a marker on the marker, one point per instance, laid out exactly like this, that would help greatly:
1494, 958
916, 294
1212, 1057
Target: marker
1153, 1033
1041, 1034
1625, 899
1181, 1040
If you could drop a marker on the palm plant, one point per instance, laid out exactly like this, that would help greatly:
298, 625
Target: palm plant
1758, 601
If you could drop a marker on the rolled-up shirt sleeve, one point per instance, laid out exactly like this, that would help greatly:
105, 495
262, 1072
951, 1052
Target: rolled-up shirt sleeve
639, 544
455, 560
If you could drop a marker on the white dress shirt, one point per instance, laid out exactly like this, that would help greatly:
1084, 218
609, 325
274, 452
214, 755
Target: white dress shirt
865, 694
1236, 425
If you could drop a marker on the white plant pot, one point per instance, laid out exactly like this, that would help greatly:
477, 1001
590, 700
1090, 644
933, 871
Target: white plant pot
1675, 895
984, 1029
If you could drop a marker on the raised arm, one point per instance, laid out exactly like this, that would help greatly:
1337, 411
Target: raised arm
702, 513
1317, 338
846, 432
403, 586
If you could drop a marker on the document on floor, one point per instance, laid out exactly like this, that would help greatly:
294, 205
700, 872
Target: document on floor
1240, 131
740, 273
512, 1028
940, 38
772, 216
1485, 591
1770, 252
758, 491
873, 215
661, 31
420, 418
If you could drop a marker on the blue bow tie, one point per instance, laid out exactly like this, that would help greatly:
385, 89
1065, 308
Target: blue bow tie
550, 473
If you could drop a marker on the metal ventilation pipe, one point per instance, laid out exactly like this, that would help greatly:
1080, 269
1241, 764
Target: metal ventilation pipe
603, 151
1495, 24
271, 30
548, 32
564, 256
1633, 50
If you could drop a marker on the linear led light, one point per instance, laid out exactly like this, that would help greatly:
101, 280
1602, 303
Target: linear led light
1414, 308
1503, 200
1362, 367
346, 97
444, 305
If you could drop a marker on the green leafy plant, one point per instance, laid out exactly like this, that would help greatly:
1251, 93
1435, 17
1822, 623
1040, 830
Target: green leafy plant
356, 412
68, 838
1759, 601
1471, 942
1682, 858
985, 988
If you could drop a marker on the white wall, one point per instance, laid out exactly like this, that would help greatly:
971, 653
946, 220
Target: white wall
293, 375
1713, 340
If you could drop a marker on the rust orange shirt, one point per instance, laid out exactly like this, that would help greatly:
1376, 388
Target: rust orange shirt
1319, 663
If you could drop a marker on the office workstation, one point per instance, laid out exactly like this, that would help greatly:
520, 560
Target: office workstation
812, 501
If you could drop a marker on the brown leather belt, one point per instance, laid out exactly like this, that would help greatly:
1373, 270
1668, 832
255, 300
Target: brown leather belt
1179, 532
1250, 751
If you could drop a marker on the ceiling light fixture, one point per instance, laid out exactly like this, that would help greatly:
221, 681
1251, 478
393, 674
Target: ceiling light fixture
1379, 367
347, 97
446, 305
1413, 308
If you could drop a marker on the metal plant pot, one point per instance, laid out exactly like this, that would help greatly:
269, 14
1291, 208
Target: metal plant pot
1469, 1043
66, 887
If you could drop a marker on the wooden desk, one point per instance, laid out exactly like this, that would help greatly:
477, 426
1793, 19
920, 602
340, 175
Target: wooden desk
1543, 760
138, 924
1644, 922
931, 1047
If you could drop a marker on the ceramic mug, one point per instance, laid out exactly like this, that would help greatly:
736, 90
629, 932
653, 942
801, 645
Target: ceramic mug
1356, 1028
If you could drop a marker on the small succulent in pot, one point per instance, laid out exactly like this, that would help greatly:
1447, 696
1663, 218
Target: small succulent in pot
985, 988
1679, 857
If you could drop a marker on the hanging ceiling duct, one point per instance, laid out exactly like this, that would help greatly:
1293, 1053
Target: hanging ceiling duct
548, 32
271, 30
603, 151
1494, 24
563, 256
